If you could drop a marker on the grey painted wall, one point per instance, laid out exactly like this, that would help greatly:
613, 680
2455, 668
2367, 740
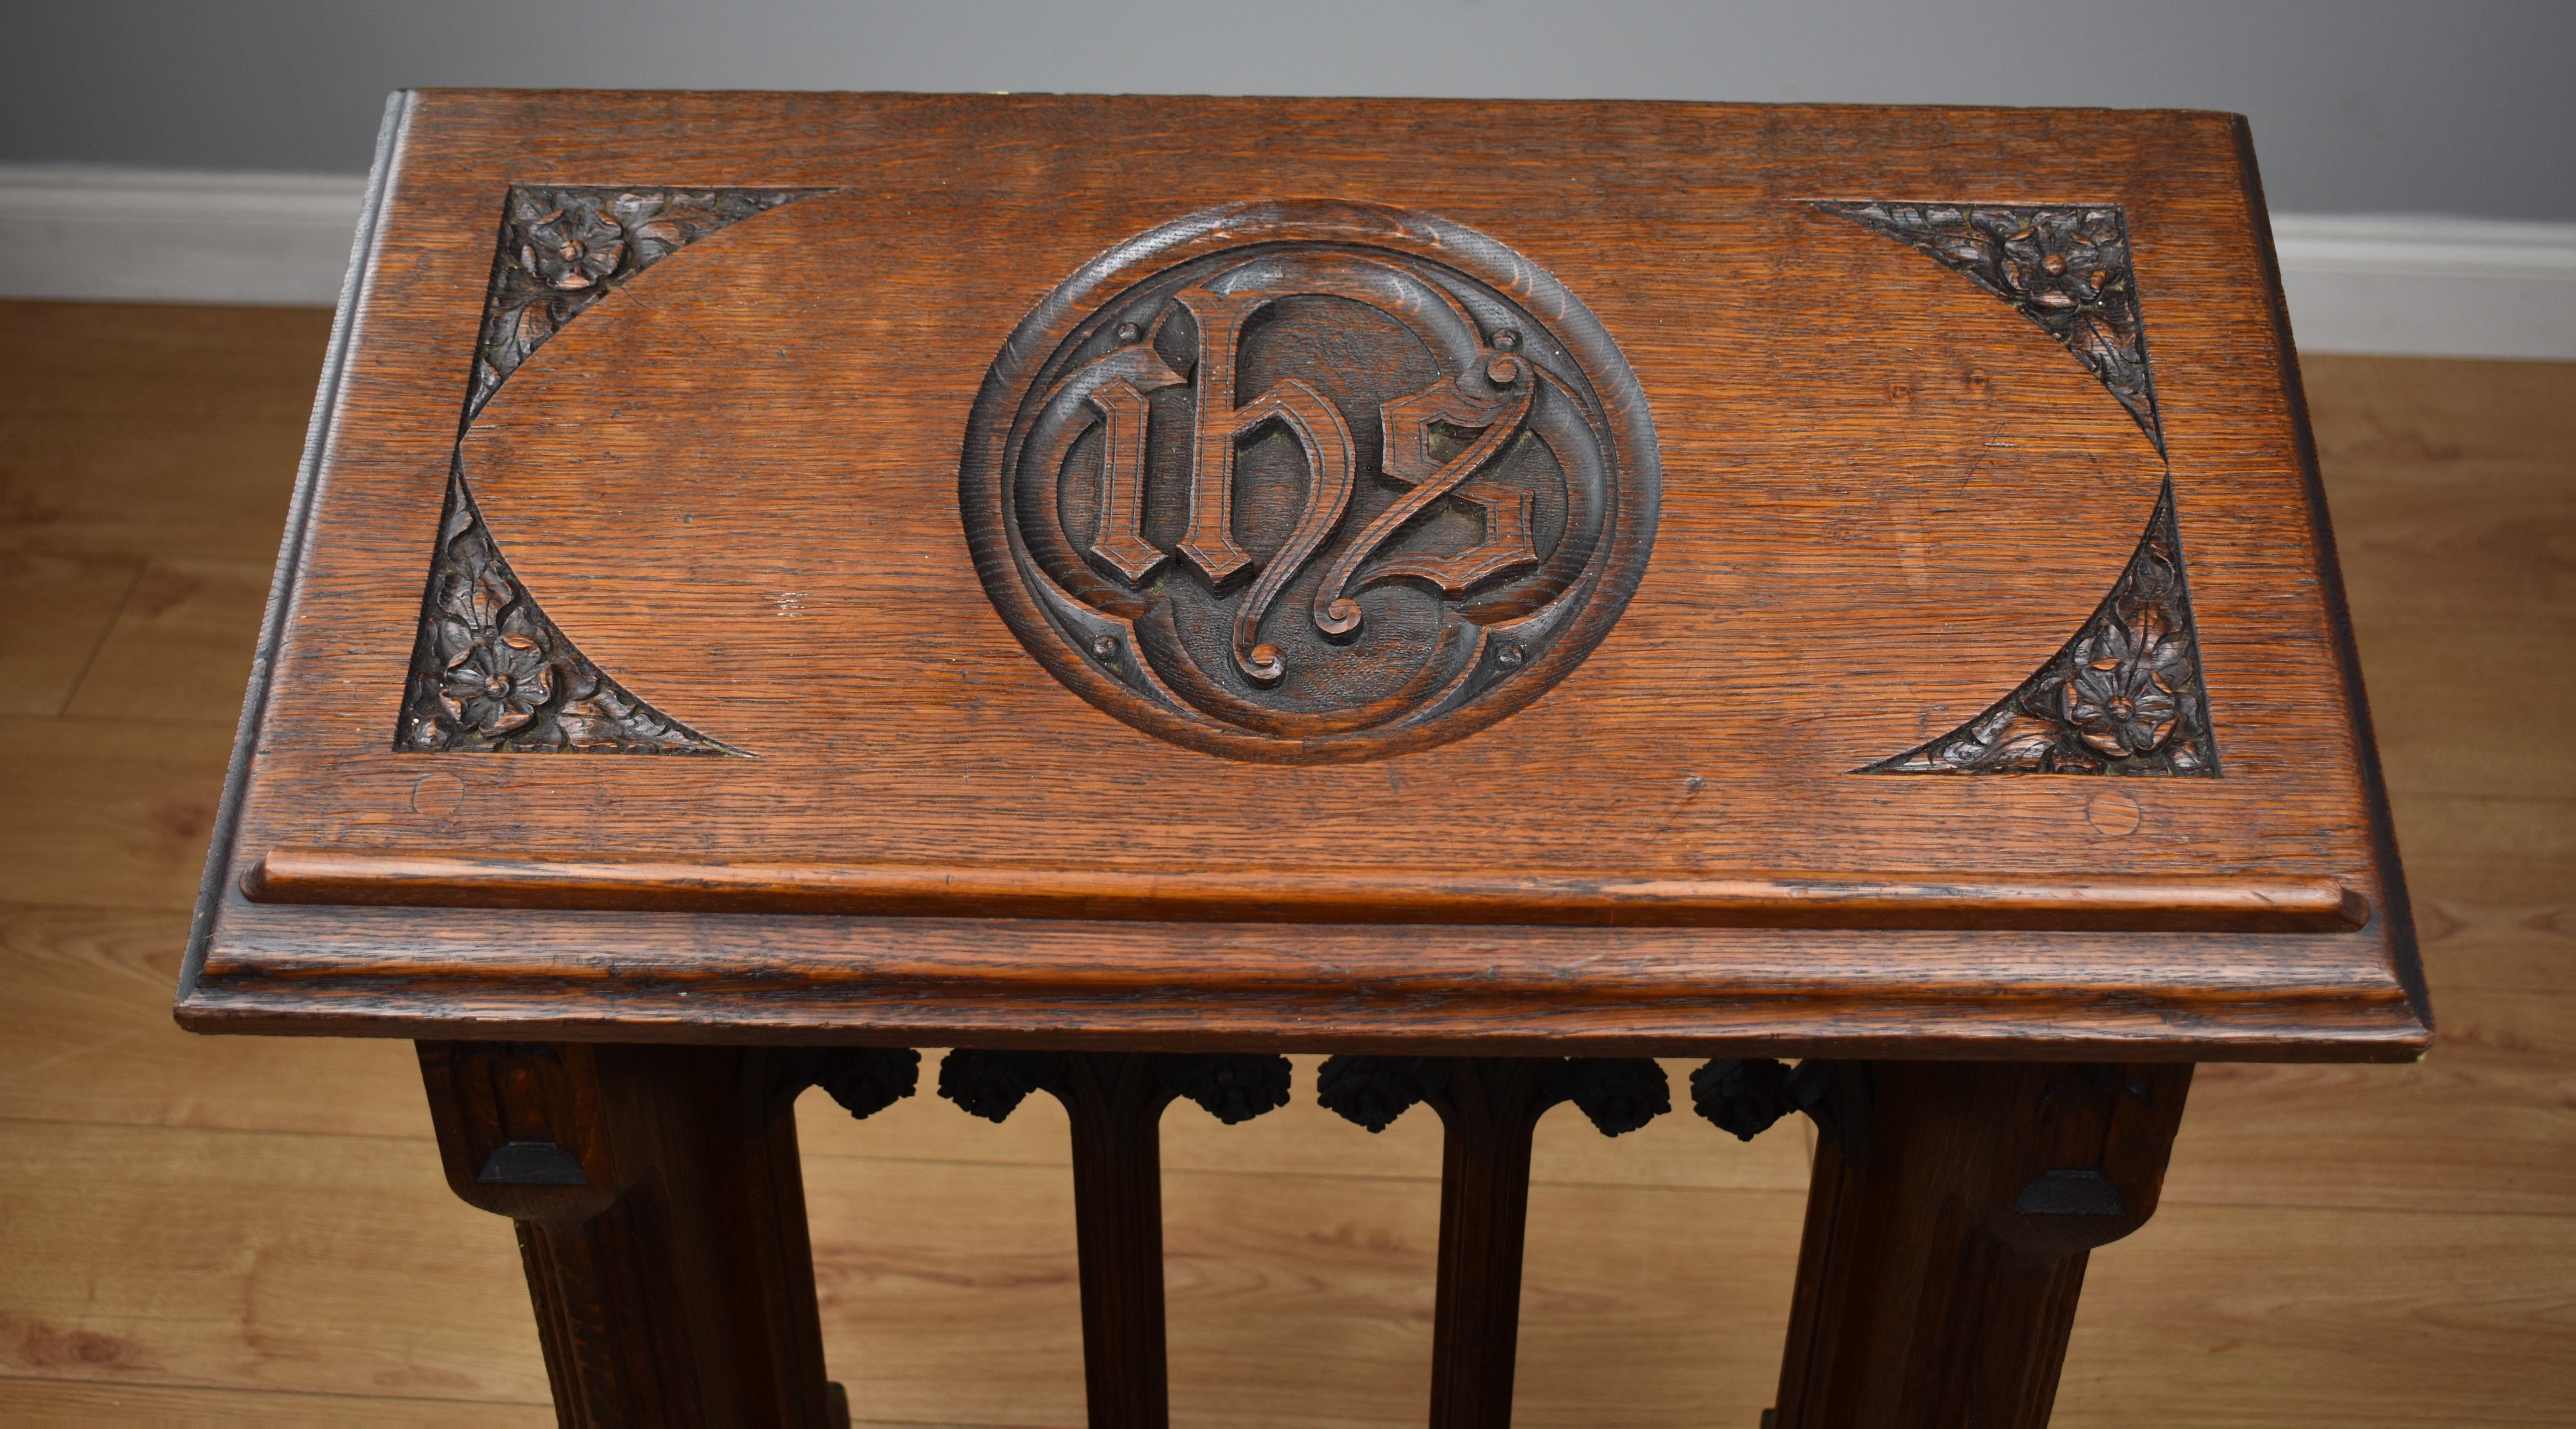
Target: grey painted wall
2466, 107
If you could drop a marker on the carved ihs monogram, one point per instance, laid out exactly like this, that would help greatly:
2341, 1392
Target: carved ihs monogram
1308, 499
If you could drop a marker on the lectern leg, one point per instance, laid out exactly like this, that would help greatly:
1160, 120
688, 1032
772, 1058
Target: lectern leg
661, 1216
1947, 1229
1490, 1108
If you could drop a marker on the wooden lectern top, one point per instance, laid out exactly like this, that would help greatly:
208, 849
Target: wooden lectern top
1365, 575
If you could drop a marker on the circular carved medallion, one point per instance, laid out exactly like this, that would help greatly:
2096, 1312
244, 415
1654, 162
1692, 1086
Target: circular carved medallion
1310, 481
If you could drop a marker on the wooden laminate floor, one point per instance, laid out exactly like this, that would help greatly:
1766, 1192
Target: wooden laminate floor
250, 1229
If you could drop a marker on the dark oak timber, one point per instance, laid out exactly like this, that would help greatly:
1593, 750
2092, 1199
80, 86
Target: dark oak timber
661, 1215
1873, 518
1496, 592
1953, 1208
1336, 896
1489, 1109
1115, 1104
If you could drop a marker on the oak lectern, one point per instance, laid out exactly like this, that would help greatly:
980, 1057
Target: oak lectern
1127, 588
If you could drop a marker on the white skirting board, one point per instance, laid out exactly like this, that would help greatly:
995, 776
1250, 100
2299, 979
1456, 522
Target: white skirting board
175, 236
2421, 286
2428, 287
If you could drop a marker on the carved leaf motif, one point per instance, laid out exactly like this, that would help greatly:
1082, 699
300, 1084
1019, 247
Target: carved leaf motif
492, 673
2123, 697
563, 249
2066, 269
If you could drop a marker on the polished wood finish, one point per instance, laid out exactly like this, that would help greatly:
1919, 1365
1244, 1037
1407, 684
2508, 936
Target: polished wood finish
1601, 809
1489, 1109
1952, 1210
1493, 387
1114, 1103
204, 1228
661, 1217
1350, 895
1813, 530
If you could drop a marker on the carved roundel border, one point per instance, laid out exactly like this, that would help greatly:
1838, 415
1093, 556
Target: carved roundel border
1124, 658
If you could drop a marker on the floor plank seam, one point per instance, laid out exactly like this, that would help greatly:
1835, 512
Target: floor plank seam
10, 1120
263, 1390
106, 633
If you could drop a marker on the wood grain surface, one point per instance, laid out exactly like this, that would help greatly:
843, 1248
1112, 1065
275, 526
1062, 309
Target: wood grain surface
1347, 895
730, 482
206, 1228
659, 1205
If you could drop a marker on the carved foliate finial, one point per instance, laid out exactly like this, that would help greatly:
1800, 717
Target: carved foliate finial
1618, 1094
864, 1080
1374, 1091
1232, 1087
992, 1084
1745, 1098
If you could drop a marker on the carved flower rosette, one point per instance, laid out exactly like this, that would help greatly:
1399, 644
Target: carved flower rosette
1306, 482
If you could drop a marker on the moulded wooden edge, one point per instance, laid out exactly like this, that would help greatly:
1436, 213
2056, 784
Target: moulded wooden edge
318, 430
2123, 1024
2404, 957
305, 990
2093, 903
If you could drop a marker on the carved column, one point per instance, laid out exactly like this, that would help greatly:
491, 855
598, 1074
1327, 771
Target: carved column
1115, 1105
1489, 1109
661, 1217
1114, 1102
1948, 1225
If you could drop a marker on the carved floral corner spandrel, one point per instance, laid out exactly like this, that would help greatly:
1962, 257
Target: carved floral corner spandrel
489, 671
563, 249
2066, 269
493, 674
2123, 697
